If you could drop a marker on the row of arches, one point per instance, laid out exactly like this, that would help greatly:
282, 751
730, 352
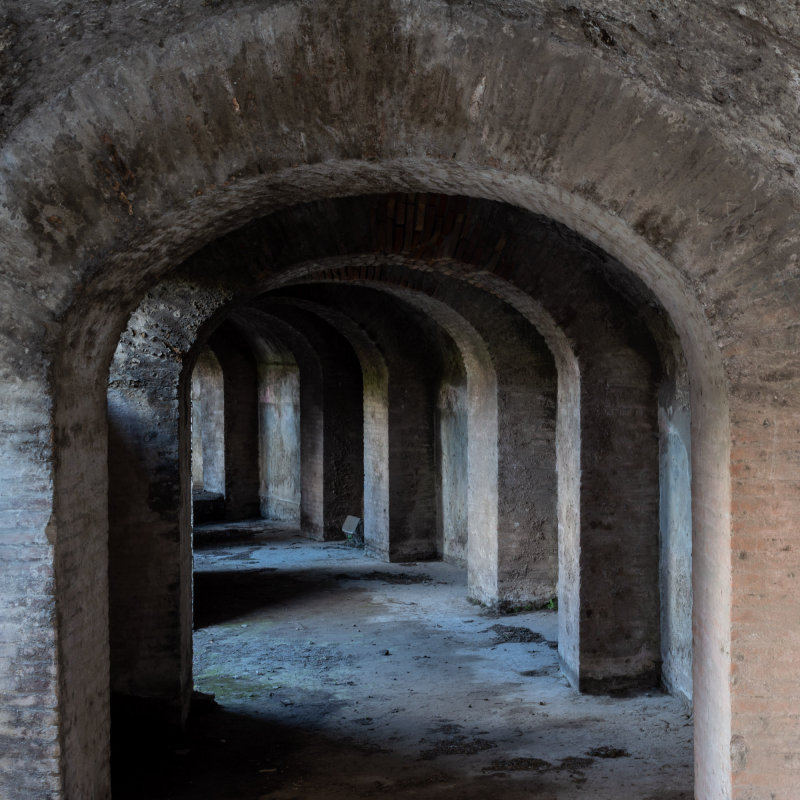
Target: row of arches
119, 168
477, 382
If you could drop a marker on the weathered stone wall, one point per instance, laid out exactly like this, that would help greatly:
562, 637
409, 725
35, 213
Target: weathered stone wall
240, 421
149, 499
28, 655
208, 424
135, 133
412, 390
279, 435
342, 473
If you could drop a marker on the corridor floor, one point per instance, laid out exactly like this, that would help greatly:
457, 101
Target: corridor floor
337, 676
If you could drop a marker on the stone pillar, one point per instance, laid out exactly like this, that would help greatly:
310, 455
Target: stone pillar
527, 490
402, 335
375, 419
208, 439
240, 382
342, 412
30, 704
620, 632
150, 564
290, 430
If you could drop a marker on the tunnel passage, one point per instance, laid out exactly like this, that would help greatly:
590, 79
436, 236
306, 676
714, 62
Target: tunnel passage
412, 319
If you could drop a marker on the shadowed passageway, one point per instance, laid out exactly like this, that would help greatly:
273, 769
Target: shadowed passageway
337, 676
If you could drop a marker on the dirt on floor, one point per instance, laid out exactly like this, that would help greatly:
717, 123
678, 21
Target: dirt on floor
338, 677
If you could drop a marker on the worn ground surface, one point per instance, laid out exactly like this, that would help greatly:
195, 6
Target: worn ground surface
337, 676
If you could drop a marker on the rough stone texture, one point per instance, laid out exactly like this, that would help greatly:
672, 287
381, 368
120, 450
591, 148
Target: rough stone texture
29, 722
664, 135
342, 471
617, 555
240, 386
208, 424
289, 492
413, 524
150, 561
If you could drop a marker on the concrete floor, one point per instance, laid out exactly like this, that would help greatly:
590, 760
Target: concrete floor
337, 676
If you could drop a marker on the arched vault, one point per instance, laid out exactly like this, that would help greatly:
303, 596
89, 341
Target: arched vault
116, 170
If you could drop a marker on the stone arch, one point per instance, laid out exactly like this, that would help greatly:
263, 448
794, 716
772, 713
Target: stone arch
370, 270
681, 264
375, 423
482, 382
479, 468
332, 468
150, 507
149, 498
611, 357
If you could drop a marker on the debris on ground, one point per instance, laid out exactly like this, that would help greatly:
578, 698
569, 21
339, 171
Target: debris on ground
457, 746
509, 634
609, 752
310, 706
575, 763
519, 765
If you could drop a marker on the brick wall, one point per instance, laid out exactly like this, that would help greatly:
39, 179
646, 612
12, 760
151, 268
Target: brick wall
342, 476
150, 498
652, 142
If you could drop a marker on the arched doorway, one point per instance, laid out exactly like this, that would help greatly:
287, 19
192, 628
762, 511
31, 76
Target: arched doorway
616, 201
623, 340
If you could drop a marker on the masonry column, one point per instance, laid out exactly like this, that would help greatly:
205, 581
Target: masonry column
150, 563
527, 491
374, 422
240, 386
29, 698
342, 414
402, 335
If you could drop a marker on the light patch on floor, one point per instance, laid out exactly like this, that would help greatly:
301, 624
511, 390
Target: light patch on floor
337, 676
